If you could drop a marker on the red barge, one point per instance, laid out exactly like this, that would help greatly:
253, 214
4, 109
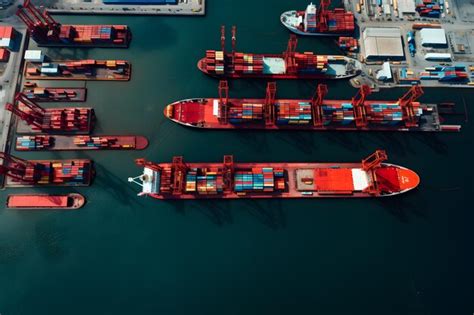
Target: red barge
89, 69
288, 65
47, 32
316, 113
65, 120
52, 94
70, 201
228, 180
32, 173
76, 143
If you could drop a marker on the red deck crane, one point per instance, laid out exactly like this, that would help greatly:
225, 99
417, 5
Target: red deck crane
358, 103
223, 38
34, 116
406, 103
228, 172
14, 167
322, 15
223, 101
179, 175
370, 164
316, 104
40, 24
269, 106
289, 54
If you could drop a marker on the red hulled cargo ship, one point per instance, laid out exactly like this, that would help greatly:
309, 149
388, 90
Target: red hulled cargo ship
317, 113
228, 180
319, 21
35, 119
77, 143
89, 69
288, 65
28, 173
47, 32
70, 201
53, 94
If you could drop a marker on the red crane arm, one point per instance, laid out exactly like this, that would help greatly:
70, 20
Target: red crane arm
269, 106
317, 102
223, 100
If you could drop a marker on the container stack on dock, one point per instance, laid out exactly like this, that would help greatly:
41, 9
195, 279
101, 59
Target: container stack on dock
248, 63
340, 21
51, 94
27, 143
245, 113
348, 44
74, 171
215, 61
66, 119
293, 113
308, 62
430, 8
67, 173
447, 74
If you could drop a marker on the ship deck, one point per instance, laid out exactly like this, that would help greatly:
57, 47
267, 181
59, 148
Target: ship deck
81, 94
338, 180
203, 113
99, 73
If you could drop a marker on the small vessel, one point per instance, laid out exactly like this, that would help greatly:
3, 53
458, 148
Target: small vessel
70, 201
288, 65
90, 69
53, 94
319, 21
77, 143
31, 173
228, 180
49, 33
316, 113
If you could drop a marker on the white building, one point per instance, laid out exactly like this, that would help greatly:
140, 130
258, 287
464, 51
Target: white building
433, 37
382, 43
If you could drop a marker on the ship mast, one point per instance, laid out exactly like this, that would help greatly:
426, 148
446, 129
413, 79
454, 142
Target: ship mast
316, 104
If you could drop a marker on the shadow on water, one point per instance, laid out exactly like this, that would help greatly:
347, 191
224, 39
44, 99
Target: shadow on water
50, 240
217, 211
166, 35
302, 141
268, 212
67, 54
351, 142
401, 208
256, 141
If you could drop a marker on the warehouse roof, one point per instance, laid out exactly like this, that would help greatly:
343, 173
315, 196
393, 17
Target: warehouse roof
433, 36
382, 42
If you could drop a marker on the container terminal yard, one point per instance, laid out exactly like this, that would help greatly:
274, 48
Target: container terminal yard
406, 42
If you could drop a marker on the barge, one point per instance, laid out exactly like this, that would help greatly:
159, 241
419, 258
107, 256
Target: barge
53, 94
288, 65
70, 201
317, 113
38, 173
228, 180
49, 33
90, 69
76, 143
319, 21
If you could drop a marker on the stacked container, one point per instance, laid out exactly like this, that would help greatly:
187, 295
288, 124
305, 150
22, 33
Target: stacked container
215, 61
191, 178
348, 44
70, 172
248, 63
310, 63
165, 180
445, 74
293, 113
245, 113
33, 142
429, 8
340, 21
259, 179
87, 34
96, 142
338, 113
209, 181
310, 19
66, 119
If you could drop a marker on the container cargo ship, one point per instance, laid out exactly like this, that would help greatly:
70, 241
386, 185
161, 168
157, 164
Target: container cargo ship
228, 180
53, 94
29, 173
288, 65
35, 119
47, 32
319, 21
76, 143
90, 69
70, 201
316, 113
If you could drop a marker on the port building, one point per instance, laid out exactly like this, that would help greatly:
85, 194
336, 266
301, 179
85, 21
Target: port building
382, 43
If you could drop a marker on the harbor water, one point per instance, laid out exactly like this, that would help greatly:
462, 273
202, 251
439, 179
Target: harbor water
124, 254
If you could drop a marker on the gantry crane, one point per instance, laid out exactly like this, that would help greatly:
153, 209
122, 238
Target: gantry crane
370, 165
223, 101
406, 103
15, 167
317, 103
289, 54
40, 24
358, 104
179, 169
269, 106
228, 172
34, 116
322, 15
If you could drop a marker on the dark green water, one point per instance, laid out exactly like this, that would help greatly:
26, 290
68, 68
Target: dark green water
126, 255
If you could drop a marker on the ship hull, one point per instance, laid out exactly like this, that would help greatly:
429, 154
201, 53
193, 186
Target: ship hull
70, 201
290, 14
